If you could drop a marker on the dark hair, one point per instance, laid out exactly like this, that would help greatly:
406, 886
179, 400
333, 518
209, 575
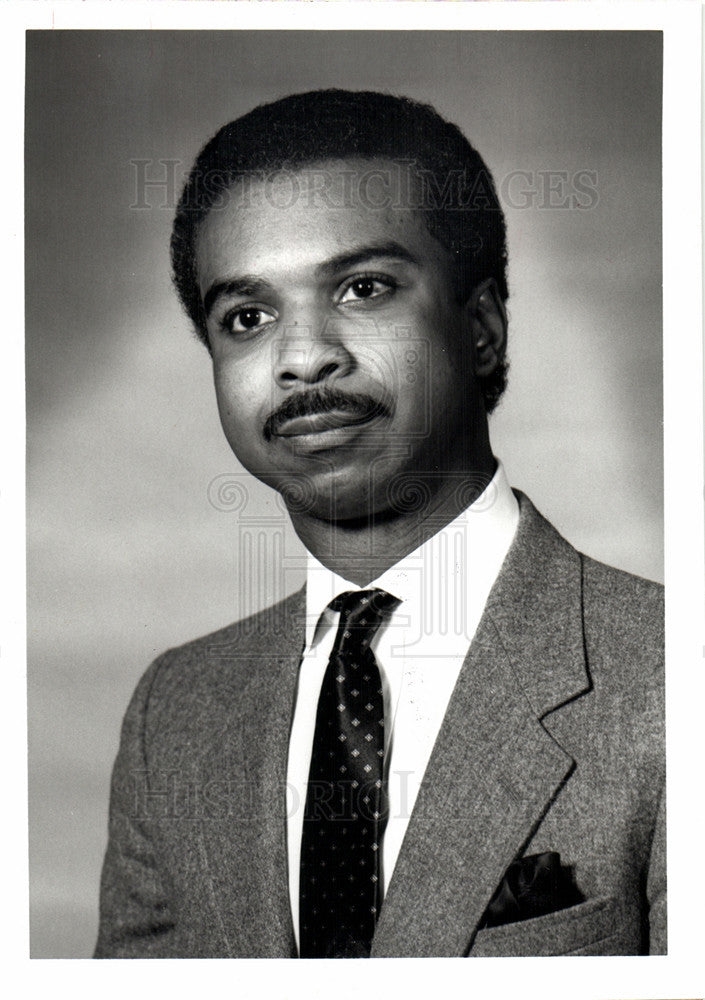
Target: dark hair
458, 198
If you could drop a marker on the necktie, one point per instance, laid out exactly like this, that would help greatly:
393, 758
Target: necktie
346, 807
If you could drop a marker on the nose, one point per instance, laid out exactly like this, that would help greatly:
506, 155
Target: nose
309, 353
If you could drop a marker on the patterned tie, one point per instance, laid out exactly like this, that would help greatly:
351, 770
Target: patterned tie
346, 803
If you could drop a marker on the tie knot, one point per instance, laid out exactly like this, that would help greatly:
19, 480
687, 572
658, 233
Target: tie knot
361, 614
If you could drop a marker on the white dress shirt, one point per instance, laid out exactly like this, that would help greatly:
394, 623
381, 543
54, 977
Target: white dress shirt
443, 588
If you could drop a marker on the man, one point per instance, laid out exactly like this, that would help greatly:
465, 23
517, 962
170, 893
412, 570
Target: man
451, 742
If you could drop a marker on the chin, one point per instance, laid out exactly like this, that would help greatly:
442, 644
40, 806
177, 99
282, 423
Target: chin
327, 498
324, 506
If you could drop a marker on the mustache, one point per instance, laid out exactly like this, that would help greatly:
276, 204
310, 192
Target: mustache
324, 400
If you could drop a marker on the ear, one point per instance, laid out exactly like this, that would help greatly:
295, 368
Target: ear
488, 323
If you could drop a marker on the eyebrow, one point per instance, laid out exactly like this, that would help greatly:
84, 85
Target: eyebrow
247, 284
252, 285
352, 258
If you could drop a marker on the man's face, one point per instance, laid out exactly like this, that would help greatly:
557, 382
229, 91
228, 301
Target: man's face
342, 358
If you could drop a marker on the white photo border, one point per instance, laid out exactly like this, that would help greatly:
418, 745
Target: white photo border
678, 975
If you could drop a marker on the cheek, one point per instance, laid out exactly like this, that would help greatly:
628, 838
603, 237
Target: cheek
225, 389
244, 382
429, 366
234, 406
236, 386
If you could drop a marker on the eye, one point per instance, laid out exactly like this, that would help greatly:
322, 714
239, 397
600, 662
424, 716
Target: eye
247, 318
365, 286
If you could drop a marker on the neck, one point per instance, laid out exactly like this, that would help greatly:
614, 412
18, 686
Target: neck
361, 549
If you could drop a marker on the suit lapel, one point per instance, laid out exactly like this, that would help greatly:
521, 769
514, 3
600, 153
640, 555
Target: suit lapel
494, 769
245, 847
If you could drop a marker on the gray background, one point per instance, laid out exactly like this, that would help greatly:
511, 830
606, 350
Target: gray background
142, 531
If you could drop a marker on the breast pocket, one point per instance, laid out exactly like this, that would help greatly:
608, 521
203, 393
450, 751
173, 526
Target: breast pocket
591, 928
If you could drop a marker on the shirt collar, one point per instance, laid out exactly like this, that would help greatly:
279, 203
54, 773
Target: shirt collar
478, 538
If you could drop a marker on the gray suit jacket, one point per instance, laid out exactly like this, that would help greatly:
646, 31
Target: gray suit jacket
553, 741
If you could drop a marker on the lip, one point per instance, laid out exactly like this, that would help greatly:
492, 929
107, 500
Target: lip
316, 424
322, 432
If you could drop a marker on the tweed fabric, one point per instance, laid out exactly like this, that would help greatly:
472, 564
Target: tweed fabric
553, 741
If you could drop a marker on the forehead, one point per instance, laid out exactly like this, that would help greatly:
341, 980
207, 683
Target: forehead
310, 214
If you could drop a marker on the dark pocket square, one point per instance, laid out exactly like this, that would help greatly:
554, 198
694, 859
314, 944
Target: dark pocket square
532, 887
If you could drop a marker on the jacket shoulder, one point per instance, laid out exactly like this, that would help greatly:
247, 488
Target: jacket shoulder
200, 670
623, 621
626, 604
622, 615
248, 635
